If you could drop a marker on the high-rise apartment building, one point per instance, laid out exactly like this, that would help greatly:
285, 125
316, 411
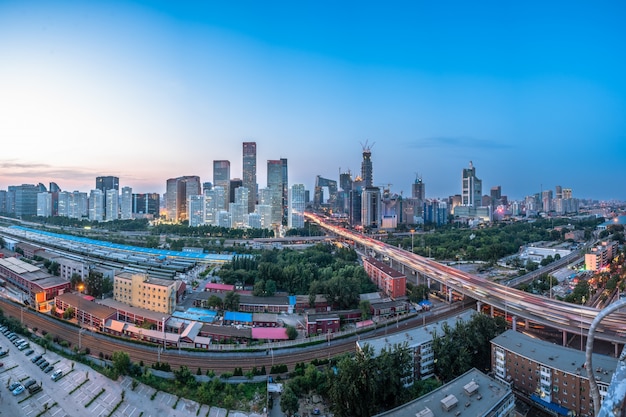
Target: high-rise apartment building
297, 205
472, 187
179, 190
195, 208
234, 184
371, 208
239, 209
249, 173
104, 184
221, 178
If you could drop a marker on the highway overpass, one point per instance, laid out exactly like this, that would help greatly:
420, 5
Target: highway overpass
569, 318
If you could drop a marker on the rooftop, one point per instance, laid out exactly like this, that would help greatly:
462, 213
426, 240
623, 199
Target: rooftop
555, 356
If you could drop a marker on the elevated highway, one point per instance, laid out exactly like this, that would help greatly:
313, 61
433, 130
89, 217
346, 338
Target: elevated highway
569, 318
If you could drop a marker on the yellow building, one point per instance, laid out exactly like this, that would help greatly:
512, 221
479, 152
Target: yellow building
142, 291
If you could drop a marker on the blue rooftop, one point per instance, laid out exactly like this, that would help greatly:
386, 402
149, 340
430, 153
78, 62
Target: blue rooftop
239, 317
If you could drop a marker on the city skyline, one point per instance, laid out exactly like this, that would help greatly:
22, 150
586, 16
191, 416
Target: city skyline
533, 94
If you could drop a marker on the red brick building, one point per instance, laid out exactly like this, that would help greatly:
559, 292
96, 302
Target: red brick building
322, 324
387, 279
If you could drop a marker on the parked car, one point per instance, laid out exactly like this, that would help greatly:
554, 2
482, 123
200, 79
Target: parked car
34, 388
29, 352
30, 382
56, 375
4, 353
44, 364
18, 390
13, 386
48, 369
36, 358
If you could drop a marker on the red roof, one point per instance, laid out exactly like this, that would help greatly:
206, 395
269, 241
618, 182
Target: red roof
221, 287
269, 333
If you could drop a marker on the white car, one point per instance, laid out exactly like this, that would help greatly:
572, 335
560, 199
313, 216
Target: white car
56, 375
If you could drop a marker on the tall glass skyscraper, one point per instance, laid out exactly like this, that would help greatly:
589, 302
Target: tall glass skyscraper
221, 178
249, 173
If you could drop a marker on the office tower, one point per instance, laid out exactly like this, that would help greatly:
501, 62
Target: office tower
418, 189
343, 196
178, 192
126, 205
285, 189
78, 205
496, 195
96, 206
296, 207
104, 184
63, 204
195, 209
264, 212
3, 201
26, 199
54, 188
206, 186
146, 205
111, 205
367, 169
234, 184
249, 173
44, 204
239, 209
371, 208
221, 178
275, 184
472, 187
213, 204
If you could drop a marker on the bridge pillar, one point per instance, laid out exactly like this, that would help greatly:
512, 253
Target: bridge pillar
514, 323
428, 281
616, 346
491, 312
479, 306
449, 295
526, 324
564, 338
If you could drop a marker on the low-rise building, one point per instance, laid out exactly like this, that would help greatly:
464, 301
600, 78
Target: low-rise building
472, 394
552, 376
322, 323
387, 279
419, 341
143, 291
86, 311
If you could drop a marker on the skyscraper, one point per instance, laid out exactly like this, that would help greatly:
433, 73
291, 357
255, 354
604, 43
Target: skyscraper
111, 205
297, 205
179, 190
221, 178
275, 184
249, 173
472, 187
418, 189
285, 189
104, 184
96, 205
367, 170
126, 206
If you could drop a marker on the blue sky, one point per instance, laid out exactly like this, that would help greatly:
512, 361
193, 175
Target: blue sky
534, 93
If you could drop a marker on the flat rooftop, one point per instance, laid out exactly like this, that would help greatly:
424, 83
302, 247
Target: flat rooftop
472, 394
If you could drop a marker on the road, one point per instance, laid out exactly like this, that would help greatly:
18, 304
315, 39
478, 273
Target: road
572, 318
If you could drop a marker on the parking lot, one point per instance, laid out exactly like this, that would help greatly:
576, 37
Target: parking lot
81, 391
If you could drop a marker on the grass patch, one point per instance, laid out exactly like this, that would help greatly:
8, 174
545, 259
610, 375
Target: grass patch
95, 397
78, 386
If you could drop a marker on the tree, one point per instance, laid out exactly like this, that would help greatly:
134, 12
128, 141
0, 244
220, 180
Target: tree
289, 401
68, 313
215, 302
365, 307
94, 282
270, 287
231, 301
76, 280
292, 333
121, 362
